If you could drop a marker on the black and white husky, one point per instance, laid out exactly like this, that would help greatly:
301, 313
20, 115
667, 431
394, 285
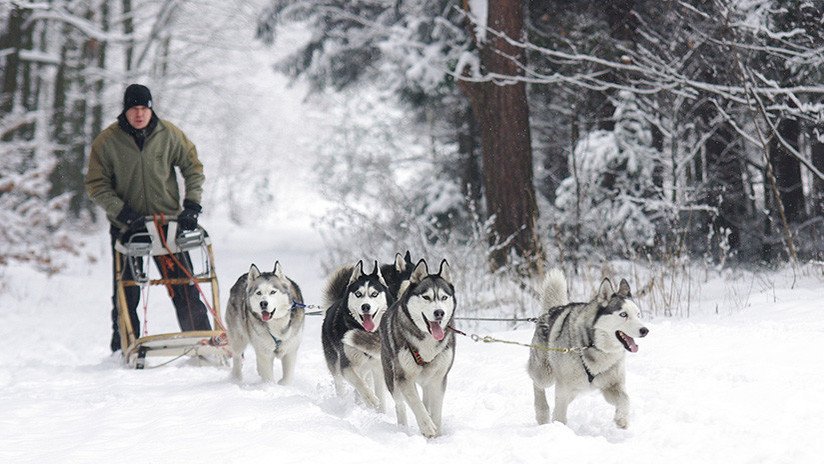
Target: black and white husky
602, 331
262, 311
417, 348
397, 272
351, 344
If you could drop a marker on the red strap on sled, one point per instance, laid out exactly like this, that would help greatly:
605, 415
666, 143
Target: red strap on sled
159, 219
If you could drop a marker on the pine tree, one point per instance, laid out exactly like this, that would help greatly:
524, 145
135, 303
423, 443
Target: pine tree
612, 200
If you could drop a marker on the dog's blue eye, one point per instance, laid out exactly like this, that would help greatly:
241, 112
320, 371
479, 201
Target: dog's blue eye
443, 298
358, 294
258, 293
426, 297
373, 294
273, 292
624, 314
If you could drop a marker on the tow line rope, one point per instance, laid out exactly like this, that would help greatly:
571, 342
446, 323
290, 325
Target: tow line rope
319, 311
490, 339
144, 290
185, 353
473, 337
220, 339
497, 319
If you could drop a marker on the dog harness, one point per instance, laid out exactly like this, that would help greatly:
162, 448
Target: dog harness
416, 356
278, 342
590, 375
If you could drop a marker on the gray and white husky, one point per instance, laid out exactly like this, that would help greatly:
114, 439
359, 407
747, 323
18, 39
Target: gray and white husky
601, 332
351, 344
265, 310
417, 348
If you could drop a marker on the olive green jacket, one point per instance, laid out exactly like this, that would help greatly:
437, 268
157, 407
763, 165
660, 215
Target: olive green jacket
119, 172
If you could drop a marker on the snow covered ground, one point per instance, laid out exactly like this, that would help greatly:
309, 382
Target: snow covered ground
745, 386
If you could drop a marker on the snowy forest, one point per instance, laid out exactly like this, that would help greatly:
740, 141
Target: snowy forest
675, 147
522, 132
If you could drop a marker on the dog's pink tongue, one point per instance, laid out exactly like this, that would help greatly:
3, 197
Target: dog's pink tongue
631, 343
265, 316
368, 324
436, 330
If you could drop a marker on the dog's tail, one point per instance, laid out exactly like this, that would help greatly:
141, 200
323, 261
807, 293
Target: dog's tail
336, 286
554, 292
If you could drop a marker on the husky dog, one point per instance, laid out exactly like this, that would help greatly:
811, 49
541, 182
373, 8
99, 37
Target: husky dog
397, 272
264, 311
603, 330
417, 348
350, 342
393, 275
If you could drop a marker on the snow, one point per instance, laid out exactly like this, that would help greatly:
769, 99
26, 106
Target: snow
743, 385
480, 16
738, 382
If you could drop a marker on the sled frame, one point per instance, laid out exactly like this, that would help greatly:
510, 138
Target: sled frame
136, 349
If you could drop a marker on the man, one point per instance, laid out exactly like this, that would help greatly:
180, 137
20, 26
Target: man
132, 175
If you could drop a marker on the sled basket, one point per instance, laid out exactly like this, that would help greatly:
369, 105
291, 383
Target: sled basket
206, 343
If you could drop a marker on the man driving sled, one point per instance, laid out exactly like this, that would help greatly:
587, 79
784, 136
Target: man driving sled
131, 175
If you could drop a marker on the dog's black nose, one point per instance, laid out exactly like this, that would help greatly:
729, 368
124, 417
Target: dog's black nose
264, 304
439, 314
365, 307
644, 331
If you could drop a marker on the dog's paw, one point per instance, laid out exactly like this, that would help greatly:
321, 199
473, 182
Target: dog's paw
372, 401
428, 428
285, 381
621, 422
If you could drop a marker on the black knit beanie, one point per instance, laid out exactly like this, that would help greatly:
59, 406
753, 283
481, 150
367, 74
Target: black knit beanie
137, 95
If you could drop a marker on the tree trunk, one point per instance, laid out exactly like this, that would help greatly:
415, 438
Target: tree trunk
818, 184
788, 169
71, 115
725, 185
100, 84
501, 109
128, 31
470, 171
10, 40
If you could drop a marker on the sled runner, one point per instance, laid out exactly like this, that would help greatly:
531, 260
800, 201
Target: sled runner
162, 239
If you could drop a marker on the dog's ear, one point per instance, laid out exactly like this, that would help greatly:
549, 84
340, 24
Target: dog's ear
623, 289
253, 274
357, 272
400, 263
407, 258
605, 291
278, 271
378, 273
444, 272
420, 271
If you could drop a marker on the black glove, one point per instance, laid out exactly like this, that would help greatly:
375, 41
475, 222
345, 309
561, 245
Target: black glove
135, 222
187, 219
129, 216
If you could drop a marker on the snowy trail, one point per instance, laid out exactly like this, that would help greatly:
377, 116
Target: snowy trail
740, 388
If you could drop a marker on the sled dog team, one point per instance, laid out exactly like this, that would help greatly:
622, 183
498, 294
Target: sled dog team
393, 327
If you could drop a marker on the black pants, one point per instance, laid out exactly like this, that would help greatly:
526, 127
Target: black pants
191, 312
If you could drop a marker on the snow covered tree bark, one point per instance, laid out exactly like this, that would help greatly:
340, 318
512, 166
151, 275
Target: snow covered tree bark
817, 150
724, 188
10, 44
788, 169
501, 109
